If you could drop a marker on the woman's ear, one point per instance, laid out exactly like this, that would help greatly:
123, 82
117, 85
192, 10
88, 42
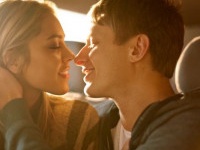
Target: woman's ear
12, 62
139, 46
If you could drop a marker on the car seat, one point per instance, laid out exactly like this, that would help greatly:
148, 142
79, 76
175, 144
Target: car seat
187, 72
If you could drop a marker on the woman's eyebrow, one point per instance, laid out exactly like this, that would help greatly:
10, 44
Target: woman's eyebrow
55, 36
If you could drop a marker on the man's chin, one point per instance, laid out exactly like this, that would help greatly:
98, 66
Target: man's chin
86, 89
89, 90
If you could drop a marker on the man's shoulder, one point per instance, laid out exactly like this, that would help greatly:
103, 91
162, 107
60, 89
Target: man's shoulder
103, 106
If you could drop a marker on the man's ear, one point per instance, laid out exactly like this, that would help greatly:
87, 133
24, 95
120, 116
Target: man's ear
12, 62
139, 46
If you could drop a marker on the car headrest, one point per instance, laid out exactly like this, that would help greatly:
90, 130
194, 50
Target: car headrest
187, 72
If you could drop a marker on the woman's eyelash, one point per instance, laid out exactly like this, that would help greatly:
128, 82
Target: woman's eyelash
55, 47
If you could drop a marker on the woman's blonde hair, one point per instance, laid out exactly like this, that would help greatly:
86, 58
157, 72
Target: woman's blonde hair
20, 21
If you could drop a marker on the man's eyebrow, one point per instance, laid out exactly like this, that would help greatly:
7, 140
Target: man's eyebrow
55, 36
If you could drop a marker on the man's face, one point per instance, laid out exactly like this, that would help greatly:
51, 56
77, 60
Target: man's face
103, 62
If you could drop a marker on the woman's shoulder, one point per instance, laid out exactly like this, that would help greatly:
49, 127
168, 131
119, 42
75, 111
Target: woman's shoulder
74, 103
73, 118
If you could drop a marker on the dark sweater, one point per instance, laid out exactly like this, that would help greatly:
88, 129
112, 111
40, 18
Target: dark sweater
170, 124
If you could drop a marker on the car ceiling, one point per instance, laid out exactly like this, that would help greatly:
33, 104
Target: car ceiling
190, 8
190, 11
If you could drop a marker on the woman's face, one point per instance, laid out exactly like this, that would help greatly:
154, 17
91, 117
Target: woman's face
48, 69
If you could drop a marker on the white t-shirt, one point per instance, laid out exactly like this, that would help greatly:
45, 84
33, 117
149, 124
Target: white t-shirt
120, 136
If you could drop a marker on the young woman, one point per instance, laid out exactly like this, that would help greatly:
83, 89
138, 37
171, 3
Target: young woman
33, 50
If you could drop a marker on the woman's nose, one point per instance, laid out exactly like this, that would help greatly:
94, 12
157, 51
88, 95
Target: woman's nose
68, 55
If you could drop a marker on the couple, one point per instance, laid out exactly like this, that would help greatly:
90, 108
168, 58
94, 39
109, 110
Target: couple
130, 54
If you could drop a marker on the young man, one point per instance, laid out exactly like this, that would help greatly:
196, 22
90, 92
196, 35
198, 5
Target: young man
129, 56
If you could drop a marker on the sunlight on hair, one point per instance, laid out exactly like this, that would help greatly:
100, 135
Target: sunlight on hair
75, 25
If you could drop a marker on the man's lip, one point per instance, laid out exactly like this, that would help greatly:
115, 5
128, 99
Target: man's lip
87, 70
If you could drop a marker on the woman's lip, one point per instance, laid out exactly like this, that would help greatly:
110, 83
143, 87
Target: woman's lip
64, 73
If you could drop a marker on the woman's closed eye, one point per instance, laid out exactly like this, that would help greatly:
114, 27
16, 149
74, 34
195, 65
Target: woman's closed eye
55, 47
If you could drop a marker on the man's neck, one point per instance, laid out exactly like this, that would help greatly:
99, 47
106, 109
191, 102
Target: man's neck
137, 98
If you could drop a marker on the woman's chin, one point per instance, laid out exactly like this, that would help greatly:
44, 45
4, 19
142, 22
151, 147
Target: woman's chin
60, 92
